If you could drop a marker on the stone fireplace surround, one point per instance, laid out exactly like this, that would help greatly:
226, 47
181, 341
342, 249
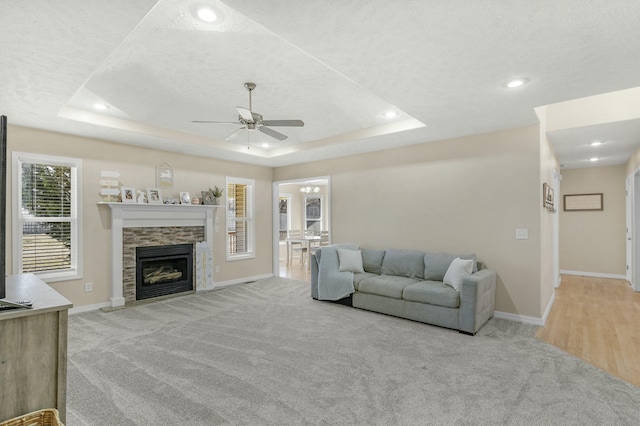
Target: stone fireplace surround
125, 216
147, 237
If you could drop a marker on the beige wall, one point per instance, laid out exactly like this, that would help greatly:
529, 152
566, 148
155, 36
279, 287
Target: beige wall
137, 168
594, 241
460, 195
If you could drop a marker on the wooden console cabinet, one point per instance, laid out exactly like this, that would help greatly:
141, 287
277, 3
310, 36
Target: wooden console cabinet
33, 349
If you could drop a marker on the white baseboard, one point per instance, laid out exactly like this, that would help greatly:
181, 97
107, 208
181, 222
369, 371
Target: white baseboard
525, 319
519, 318
594, 274
88, 308
220, 284
548, 309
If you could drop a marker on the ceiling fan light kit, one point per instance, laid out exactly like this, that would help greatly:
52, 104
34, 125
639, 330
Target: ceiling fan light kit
251, 121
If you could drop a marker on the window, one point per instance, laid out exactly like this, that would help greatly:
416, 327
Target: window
284, 201
240, 221
313, 213
46, 216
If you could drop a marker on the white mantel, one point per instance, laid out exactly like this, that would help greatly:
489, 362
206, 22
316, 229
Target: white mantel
133, 215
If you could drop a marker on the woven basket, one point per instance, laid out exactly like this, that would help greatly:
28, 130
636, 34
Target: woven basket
48, 417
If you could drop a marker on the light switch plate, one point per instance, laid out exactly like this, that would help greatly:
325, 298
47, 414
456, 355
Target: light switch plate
522, 234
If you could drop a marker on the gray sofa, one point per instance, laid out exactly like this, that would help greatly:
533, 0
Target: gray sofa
407, 284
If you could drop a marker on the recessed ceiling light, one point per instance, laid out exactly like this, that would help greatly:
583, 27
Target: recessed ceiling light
593, 159
596, 143
516, 83
265, 145
207, 14
100, 107
390, 114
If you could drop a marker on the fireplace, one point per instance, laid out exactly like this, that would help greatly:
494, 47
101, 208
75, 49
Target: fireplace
162, 270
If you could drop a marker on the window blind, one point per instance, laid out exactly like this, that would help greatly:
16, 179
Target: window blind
46, 216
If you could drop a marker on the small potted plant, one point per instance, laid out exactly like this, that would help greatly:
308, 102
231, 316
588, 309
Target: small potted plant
216, 192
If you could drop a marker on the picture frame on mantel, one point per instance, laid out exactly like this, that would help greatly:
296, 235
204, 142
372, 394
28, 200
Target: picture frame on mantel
154, 196
128, 194
164, 176
185, 198
207, 198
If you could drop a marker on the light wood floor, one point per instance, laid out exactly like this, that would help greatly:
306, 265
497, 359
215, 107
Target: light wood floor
598, 321
295, 271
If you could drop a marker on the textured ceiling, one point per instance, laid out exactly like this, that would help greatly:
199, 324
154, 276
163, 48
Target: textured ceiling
336, 65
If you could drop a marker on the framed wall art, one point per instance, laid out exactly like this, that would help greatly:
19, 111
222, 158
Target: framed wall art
548, 198
583, 202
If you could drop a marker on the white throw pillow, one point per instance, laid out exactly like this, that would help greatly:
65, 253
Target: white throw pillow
350, 261
458, 269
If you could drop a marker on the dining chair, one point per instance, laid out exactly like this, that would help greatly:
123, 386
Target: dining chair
296, 246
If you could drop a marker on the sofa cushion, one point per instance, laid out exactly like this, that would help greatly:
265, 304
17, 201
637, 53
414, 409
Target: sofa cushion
350, 261
372, 260
385, 285
437, 264
404, 263
458, 269
433, 293
359, 277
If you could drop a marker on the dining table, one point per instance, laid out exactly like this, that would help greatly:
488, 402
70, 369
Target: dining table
306, 243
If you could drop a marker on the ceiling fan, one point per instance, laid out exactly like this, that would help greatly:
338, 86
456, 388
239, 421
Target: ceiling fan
250, 120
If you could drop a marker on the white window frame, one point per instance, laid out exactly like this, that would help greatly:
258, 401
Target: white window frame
250, 219
75, 270
304, 211
289, 198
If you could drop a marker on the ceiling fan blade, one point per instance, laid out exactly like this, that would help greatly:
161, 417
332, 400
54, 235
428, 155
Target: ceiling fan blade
245, 114
215, 122
235, 134
288, 123
272, 133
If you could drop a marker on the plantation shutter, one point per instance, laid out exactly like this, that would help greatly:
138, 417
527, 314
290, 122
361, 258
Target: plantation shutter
46, 216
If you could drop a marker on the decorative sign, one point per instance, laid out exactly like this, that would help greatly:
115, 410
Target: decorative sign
583, 202
109, 182
109, 186
164, 176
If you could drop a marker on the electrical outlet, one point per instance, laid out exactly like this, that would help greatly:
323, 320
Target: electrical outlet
522, 234
217, 269
88, 287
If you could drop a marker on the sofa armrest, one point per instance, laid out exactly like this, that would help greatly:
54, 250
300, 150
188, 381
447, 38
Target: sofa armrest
477, 300
314, 274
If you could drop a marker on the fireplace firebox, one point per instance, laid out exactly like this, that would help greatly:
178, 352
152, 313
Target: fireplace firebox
162, 270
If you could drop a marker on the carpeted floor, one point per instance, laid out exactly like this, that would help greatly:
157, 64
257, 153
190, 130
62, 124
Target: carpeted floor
265, 353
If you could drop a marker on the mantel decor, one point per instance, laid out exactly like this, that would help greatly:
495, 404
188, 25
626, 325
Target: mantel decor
164, 176
583, 202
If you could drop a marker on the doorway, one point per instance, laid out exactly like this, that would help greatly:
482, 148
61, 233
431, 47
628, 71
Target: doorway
301, 208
